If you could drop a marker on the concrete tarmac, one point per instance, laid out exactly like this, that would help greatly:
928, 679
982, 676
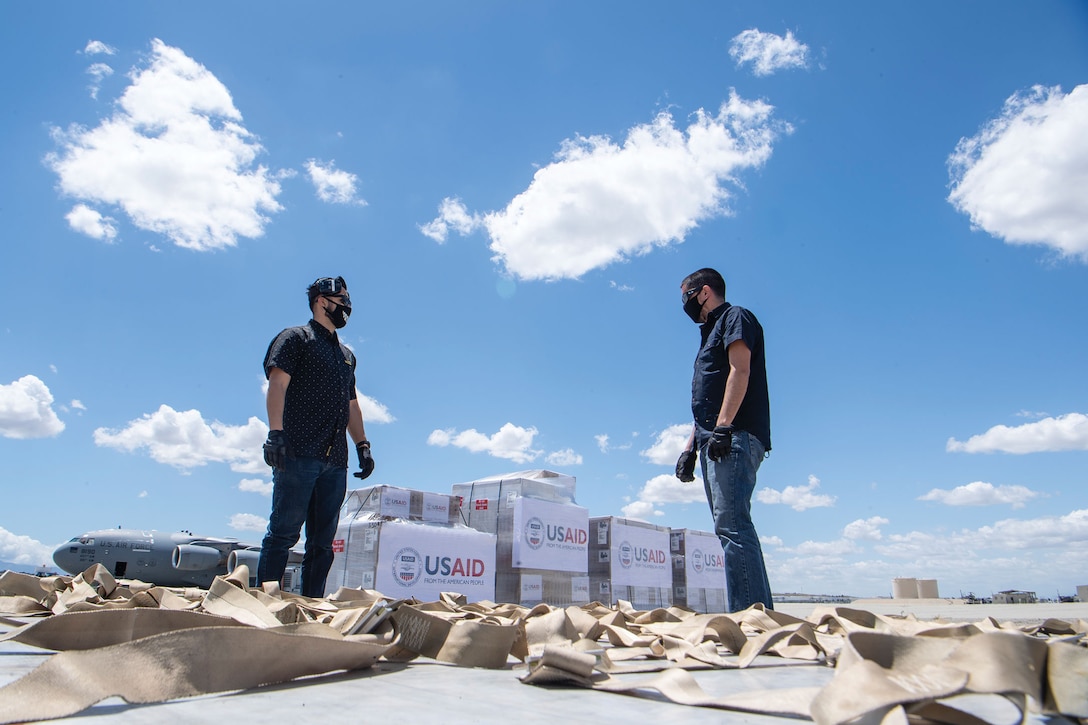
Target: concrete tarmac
426, 691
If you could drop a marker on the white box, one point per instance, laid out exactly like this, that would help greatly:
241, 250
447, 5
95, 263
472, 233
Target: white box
542, 545
698, 570
629, 560
403, 559
402, 503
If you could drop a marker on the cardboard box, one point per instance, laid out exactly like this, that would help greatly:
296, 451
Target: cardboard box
698, 570
402, 503
403, 559
542, 536
629, 560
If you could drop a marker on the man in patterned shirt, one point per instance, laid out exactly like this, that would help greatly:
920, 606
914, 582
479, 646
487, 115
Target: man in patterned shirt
732, 431
311, 404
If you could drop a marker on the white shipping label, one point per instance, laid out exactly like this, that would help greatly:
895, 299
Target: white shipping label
579, 589
705, 562
550, 536
436, 507
640, 557
423, 561
532, 587
395, 502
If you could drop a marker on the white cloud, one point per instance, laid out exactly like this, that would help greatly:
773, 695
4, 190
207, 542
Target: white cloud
255, 485
565, 457
26, 410
620, 287
97, 47
798, 498
641, 510
838, 547
670, 443
667, 488
24, 550
511, 442
1010, 553
767, 52
1065, 433
865, 529
174, 157
602, 442
184, 440
1021, 178
980, 493
332, 184
663, 489
85, 220
373, 411
248, 522
601, 202
1069, 530
78, 405
98, 71
452, 214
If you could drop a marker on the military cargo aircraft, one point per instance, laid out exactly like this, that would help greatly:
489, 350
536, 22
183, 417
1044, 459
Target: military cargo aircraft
174, 560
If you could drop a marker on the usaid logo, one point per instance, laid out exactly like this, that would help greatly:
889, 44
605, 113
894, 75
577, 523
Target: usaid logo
627, 555
407, 566
697, 561
534, 533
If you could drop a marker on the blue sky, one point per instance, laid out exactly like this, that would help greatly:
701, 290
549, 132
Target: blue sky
513, 194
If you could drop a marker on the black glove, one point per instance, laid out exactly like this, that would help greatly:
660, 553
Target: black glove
685, 466
366, 463
275, 449
721, 443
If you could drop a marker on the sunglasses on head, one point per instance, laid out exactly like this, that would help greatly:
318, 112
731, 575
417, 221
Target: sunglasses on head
327, 286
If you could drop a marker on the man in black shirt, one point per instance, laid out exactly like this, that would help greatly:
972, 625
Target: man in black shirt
311, 404
732, 428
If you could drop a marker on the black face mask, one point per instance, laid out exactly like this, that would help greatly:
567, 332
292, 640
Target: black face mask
693, 308
339, 315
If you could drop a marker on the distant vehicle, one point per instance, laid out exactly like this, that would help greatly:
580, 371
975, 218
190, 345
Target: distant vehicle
173, 560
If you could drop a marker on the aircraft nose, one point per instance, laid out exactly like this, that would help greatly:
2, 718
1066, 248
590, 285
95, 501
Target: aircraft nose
66, 556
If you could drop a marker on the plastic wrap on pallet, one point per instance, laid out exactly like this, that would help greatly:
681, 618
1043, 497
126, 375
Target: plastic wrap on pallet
698, 570
629, 560
541, 545
403, 559
402, 503
480, 499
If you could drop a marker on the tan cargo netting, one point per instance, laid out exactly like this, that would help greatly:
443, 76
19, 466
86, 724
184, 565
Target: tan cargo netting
150, 644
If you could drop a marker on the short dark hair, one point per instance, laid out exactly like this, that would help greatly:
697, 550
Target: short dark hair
325, 286
705, 276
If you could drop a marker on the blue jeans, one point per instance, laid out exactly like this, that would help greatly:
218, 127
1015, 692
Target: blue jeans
729, 484
306, 491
